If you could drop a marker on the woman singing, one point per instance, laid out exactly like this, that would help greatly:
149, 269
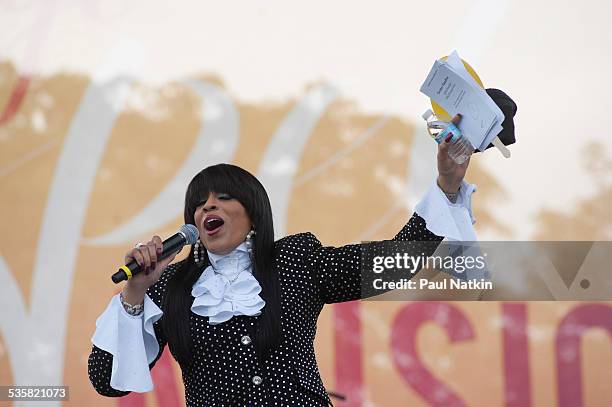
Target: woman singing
239, 313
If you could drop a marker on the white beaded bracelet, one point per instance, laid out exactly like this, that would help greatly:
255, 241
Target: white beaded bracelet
134, 310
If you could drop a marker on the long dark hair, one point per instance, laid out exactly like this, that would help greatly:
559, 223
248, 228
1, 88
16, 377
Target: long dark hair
243, 186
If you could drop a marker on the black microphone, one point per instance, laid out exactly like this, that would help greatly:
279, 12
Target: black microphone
187, 234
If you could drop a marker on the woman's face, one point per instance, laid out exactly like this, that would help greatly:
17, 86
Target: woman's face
222, 222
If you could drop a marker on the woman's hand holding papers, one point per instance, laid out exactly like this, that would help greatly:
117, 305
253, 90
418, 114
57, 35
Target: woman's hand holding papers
450, 174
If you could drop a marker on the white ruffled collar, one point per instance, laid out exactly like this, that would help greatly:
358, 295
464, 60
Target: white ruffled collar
227, 287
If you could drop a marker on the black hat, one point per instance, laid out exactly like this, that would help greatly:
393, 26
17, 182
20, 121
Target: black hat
508, 108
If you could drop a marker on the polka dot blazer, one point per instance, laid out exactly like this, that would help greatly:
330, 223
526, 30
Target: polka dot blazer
226, 370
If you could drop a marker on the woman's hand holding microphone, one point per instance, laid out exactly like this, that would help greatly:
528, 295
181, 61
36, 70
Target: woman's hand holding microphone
146, 255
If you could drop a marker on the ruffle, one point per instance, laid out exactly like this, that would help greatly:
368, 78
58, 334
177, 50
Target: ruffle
227, 288
444, 218
132, 342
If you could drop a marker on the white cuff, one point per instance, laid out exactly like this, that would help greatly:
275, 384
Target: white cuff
132, 342
444, 218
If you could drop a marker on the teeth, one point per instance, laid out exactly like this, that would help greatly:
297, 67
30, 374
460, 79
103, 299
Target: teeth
213, 223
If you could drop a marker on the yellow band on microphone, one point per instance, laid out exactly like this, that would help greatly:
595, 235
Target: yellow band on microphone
127, 271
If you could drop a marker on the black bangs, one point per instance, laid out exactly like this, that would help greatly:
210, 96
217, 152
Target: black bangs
220, 178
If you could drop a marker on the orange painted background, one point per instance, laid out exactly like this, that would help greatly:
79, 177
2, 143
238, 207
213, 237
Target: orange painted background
350, 184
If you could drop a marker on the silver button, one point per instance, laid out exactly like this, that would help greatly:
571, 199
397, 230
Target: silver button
245, 340
257, 380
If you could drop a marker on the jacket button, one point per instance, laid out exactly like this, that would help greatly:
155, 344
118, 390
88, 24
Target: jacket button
257, 380
245, 340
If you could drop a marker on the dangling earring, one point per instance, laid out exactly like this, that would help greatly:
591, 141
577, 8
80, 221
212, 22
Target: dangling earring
249, 241
197, 252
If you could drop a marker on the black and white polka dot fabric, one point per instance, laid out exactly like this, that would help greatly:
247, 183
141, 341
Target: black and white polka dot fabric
226, 371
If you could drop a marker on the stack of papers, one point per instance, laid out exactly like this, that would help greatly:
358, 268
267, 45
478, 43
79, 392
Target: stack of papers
451, 86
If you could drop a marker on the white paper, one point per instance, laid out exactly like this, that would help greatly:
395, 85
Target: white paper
451, 86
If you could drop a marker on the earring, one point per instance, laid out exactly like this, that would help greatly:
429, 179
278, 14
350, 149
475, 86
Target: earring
198, 252
249, 241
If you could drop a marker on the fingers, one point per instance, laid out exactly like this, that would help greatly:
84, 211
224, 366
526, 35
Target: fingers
144, 251
158, 244
135, 254
443, 146
151, 252
146, 255
456, 119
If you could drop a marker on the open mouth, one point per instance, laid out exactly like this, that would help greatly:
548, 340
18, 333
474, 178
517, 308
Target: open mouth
212, 224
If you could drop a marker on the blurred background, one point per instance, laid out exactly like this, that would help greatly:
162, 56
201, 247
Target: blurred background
108, 108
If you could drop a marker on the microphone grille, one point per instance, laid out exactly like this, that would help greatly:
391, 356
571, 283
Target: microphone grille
190, 232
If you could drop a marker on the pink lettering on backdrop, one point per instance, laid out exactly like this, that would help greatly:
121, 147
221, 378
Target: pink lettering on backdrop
15, 100
404, 332
132, 400
347, 343
516, 355
164, 380
35, 41
568, 357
